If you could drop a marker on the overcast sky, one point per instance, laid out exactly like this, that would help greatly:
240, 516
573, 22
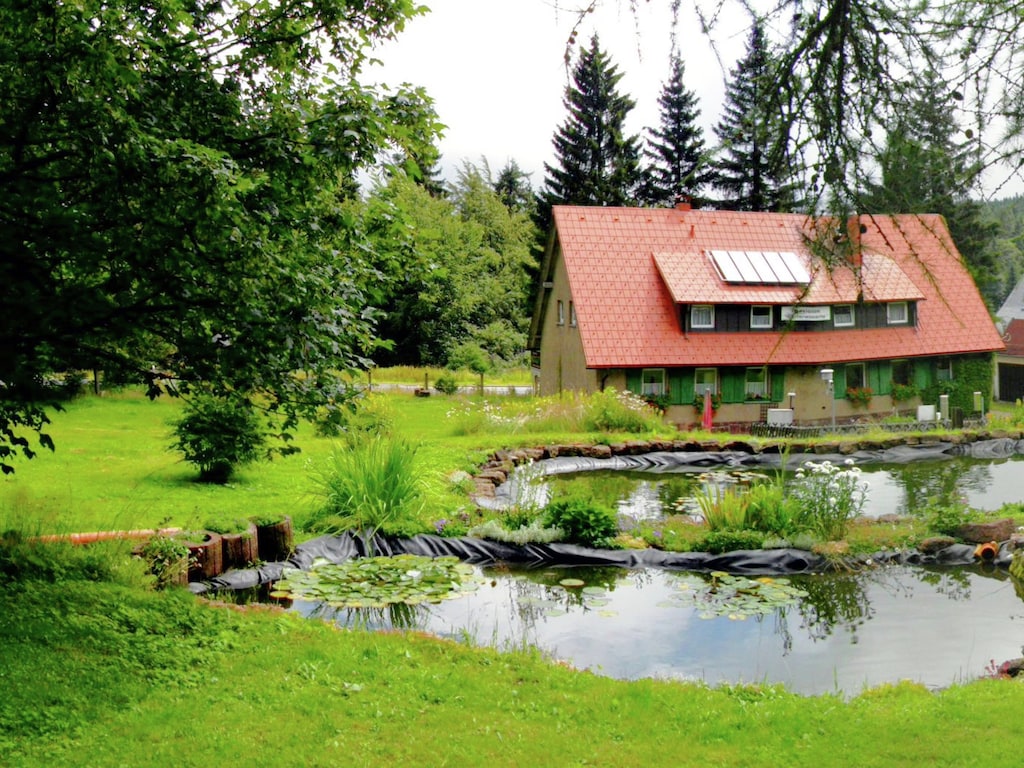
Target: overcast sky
496, 70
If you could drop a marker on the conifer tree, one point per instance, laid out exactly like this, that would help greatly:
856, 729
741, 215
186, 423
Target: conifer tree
753, 168
677, 163
925, 168
596, 162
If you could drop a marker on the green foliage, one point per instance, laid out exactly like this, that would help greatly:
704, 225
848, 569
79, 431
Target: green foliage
946, 518
27, 558
533, 532
582, 522
903, 392
723, 507
357, 417
615, 411
167, 558
678, 164
370, 486
828, 497
596, 161
446, 384
755, 168
454, 273
174, 212
217, 435
717, 542
970, 374
860, 396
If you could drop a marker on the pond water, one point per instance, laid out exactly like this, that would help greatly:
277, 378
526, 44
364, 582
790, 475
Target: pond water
902, 489
834, 633
845, 633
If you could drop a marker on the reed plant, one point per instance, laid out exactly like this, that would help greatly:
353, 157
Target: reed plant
368, 486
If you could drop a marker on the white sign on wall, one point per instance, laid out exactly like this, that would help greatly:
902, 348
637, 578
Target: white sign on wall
805, 314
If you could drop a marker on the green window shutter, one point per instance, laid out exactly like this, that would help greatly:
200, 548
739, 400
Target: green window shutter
734, 384
777, 376
879, 377
839, 381
685, 379
923, 373
633, 380
676, 387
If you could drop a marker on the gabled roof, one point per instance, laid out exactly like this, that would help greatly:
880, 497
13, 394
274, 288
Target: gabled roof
629, 268
1013, 307
1014, 337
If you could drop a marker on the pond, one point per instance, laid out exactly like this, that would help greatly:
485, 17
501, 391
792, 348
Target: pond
843, 633
893, 488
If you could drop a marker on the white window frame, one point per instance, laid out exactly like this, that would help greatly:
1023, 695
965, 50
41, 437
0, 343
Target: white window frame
648, 384
762, 321
561, 312
709, 308
759, 390
897, 320
863, 375
700, 387
846, 323
572, 315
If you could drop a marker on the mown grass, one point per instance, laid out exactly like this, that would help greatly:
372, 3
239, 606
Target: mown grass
108, 673
99, 675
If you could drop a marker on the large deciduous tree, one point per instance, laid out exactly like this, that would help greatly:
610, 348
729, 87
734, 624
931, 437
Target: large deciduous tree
677, 164
596, 161
455, 271
171, 177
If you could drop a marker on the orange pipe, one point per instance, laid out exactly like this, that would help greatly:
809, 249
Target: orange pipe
94, 536
987, 551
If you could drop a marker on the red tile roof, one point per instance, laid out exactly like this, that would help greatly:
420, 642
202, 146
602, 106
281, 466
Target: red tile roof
629, 267
1014, 338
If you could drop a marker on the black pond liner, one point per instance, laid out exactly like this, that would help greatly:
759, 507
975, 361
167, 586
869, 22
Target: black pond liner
761, 562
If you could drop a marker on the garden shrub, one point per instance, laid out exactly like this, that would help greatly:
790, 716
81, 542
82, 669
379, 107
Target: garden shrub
717, 542
446, 384
615, 411
828, 497
219, 434
532, 533
582, 522
365, 414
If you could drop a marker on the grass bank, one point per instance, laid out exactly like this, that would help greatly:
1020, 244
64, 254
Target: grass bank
104, 675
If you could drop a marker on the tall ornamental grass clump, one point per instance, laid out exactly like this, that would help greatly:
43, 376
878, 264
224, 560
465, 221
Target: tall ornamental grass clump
369, 486
762, 507
828, 496
615, 411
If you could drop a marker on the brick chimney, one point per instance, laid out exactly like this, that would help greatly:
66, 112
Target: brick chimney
854, 231
684, 202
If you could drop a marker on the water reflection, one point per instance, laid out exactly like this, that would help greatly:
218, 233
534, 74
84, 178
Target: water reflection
903, 489
850, 630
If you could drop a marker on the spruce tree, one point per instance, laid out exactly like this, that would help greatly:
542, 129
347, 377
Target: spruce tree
753, 168
925, 168
596, 162
677, 163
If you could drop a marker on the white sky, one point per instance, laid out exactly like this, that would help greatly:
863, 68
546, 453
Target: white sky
496, 70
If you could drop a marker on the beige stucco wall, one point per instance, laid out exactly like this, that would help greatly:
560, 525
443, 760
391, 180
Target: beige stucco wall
563, 365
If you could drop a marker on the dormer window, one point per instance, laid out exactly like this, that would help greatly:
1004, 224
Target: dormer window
761, 317
896, 313
842, 316
702, 316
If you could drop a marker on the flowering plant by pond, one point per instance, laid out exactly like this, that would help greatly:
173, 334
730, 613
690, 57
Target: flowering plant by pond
829, 496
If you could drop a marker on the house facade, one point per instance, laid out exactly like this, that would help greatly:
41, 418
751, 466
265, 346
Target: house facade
759, 310
1009, 385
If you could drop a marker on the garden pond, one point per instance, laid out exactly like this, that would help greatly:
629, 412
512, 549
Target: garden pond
816, 633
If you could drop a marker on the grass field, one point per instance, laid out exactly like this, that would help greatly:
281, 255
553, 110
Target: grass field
108, 673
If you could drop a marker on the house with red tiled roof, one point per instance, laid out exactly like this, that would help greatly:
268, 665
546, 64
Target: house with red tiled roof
752, 307
1010, 362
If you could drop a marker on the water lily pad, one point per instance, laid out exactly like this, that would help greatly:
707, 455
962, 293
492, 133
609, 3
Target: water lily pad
572, 583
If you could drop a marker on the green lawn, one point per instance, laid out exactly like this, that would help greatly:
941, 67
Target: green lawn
110, 674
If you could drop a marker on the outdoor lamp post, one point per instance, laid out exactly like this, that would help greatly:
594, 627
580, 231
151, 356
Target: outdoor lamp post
792, 397
826, 376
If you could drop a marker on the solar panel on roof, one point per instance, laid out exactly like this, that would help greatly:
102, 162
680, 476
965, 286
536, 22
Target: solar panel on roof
760, 267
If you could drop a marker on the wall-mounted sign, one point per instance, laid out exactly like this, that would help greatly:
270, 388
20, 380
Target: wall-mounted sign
805, 314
